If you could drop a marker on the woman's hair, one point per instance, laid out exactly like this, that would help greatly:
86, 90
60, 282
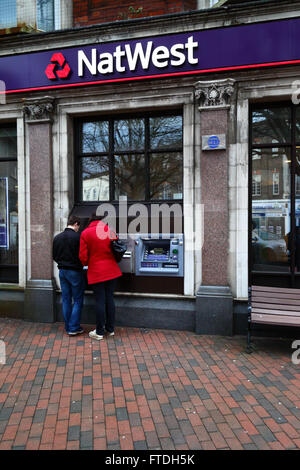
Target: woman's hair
94, 217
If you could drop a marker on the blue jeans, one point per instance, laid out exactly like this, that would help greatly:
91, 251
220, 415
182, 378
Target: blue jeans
72, 286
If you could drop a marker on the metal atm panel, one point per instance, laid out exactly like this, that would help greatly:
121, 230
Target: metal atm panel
158, 255
127, 262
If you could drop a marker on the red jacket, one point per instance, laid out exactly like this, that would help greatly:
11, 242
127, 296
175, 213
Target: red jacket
95, 252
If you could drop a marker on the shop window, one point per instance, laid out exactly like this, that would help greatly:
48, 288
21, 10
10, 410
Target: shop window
8, 205
139, 157
271, 125
8, 17
275, 197
44, 13
48, 15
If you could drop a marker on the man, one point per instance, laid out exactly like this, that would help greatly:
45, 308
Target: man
72, 282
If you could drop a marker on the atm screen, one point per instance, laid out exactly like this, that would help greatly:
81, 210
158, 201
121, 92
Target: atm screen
158, 253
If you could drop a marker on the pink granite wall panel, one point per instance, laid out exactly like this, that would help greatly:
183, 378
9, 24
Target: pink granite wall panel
214, 191
41, 200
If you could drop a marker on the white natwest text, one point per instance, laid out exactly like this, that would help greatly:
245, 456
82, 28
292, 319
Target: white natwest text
131, 56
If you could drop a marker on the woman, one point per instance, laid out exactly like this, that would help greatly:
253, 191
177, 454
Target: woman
103, 270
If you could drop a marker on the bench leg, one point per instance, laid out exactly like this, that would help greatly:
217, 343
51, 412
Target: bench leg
249, 348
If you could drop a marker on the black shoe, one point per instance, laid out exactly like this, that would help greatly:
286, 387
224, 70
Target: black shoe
74, 333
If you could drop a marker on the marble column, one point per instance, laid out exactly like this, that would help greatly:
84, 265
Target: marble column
40, 287
214, 313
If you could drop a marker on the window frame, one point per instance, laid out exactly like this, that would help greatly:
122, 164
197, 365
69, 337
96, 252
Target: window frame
146, 152
275, 183
291, 145
256, 185
56, 11
13, 125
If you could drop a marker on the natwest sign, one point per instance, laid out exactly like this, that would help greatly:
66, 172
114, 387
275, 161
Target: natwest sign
143, 55
264, 44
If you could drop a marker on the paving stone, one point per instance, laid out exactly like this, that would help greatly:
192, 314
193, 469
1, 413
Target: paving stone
86, 440
140, 445
122, 414
73, 433
117, 382
87, 380
39, 415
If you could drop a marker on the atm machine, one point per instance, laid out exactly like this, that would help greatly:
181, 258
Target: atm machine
159, 255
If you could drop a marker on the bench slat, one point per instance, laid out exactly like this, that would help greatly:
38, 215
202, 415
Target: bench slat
268, 311
284, 290
276, 300
275, 306
275, 319
278, 295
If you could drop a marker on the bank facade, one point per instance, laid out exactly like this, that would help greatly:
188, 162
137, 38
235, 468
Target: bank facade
197, 110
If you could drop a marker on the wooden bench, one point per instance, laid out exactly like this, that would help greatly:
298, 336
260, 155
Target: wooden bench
273, 306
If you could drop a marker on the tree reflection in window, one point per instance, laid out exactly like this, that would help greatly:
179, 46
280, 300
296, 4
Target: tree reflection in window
95, 137
166, 176
166, 132
130, 176
129, 134
141, 157
271, 125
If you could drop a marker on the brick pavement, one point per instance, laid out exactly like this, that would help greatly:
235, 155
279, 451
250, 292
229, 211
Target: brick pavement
156, 390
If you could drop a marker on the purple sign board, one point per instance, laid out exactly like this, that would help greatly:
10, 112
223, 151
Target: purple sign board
229, 48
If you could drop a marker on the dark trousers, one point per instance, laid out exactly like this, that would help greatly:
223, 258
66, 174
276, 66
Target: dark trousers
105, 306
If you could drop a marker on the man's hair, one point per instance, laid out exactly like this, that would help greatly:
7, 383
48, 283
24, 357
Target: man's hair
72, 220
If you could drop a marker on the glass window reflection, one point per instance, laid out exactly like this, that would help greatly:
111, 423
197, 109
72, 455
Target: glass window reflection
271, 208
166, 132
297, 210
124, 147
166, 176
95, 137
95, 178
271, 125
8, 221
297, 124
130, 176
8, 142
129, 134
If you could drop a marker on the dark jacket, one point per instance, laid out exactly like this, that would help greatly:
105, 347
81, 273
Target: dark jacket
66, 250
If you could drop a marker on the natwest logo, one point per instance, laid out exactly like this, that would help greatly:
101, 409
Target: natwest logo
140, 55
58, 68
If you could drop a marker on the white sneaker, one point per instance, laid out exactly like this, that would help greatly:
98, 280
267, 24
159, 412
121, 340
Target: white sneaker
111, 333
93, 334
